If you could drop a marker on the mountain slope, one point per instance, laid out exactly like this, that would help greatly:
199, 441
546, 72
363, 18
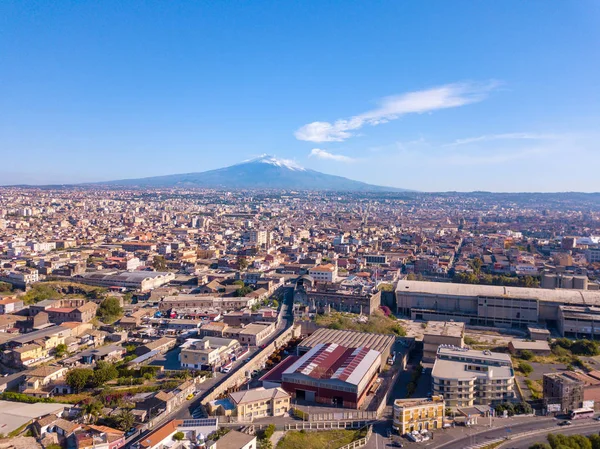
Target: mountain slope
265, 172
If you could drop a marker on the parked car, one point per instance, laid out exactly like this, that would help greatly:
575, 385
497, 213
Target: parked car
565, 423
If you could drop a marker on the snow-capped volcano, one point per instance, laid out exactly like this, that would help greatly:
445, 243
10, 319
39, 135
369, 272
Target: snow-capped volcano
263, 172
272, 160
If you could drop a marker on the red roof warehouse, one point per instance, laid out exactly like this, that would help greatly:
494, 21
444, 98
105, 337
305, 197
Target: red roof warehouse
333, 374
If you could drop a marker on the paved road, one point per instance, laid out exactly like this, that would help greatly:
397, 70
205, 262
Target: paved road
502, 427
588, 428
192, 408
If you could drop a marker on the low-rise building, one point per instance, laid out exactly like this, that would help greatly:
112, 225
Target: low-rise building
260, 403
234, 440
252, 334
208, 353
418, 414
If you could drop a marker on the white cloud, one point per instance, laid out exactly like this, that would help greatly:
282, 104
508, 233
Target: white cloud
322, 154
507, 136
393, 107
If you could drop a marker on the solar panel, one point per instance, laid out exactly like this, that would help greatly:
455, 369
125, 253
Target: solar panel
206, 422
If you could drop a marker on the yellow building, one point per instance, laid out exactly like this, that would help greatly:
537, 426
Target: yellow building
260, 402
418, 414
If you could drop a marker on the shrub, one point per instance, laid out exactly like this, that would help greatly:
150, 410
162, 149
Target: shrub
527, 355
525, 368
178, 436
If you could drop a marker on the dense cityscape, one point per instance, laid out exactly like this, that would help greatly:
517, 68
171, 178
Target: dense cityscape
142, 317
299, 224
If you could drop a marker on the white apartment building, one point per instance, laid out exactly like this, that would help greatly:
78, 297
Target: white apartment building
324, 273
466, 377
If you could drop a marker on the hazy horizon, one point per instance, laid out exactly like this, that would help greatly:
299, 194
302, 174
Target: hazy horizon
458, 97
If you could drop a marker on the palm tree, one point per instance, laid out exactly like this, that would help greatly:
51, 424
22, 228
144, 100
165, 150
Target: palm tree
92, 411
125, 419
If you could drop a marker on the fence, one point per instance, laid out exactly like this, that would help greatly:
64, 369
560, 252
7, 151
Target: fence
360, 442
326, 425
239, 377
305, 414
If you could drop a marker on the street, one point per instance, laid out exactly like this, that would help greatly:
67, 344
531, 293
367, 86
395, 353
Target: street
587, 428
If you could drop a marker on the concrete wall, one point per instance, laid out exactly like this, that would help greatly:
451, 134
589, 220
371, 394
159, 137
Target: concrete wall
239, 377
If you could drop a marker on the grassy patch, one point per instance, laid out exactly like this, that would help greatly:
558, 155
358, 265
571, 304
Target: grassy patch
377, 323
535, 388
328, 439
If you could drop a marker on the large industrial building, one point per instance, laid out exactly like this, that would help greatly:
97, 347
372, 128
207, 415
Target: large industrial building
488, 305
333, 374
466, 377
350, 339
134, 280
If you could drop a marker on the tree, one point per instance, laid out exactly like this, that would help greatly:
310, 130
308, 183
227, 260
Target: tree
264, 443
60, 350
527, 354
525, 368
269, 431
92, 410
243, 291
104, 372
110, 310
242, 263
476, 265
275, 304
159, 263
5, 287
178, 436
540, 446
125, 419
386, 287
77, 378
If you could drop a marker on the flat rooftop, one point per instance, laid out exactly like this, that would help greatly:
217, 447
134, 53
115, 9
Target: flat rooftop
473, 354
445, 328
562, 295
455, 369
350, 339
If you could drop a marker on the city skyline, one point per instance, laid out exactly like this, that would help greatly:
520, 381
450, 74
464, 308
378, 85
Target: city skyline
459, 97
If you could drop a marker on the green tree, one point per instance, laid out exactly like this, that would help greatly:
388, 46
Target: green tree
125, 419
159, 263
92, 411
39, 292
386, 287
269, 431
77, 378
264, 443
595, 440
275, 304
60, 350
243, 291
178, 436
242, 263
540, 446
525, 368
527, 354
103, 373
110, 310
476, 265
5, 287
585, 347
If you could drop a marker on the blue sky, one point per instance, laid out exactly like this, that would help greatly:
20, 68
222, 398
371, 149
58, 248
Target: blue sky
439, 95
